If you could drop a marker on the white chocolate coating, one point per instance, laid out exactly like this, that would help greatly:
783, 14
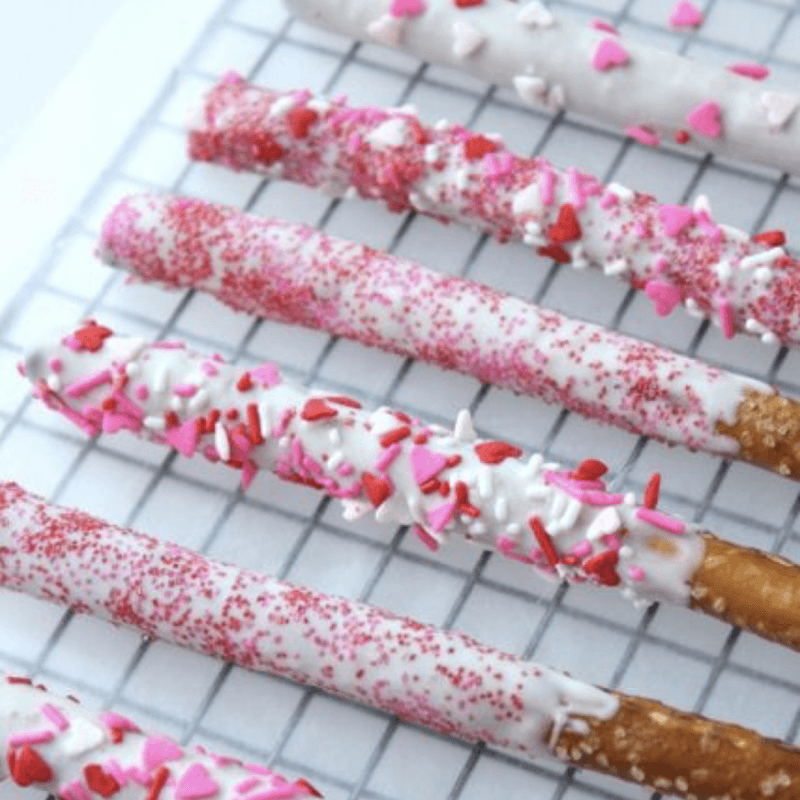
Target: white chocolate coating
53, 744
447, 483
555, 63
439, 679
294, 273
676, 254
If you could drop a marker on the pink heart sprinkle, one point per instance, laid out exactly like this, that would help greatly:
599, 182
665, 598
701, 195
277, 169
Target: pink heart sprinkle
705, 119
157, 750
675, 218
407, 8
665, 296
113, 720
426, 464
195, 783
685, 14
184, 438
439, 517
609, 53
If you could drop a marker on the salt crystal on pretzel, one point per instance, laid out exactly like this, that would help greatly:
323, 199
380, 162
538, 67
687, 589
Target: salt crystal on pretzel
294, 273
563, 523
54, 744
561, 65
442, 680
677, 254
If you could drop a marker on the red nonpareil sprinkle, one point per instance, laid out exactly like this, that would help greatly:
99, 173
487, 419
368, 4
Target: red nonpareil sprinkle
478, 146
245, 383
265, 148
430, 486
159, 780
652, 491
378, 489
343, 400
232, 414
99, 781
299, 120
254, 425
29, 767
91, 335
496, 452
682, 137
556, 252
109, 404
171, 419
566, 227
316, 409
771, 238
544, 540
602, 566
590, 469
392, 437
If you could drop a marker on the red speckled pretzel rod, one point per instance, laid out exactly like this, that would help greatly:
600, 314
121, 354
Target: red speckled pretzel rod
563, 523
294, 273
53, 744
676, 254
438, 679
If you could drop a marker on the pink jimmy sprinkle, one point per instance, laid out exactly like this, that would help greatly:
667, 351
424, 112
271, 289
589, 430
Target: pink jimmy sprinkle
608, 199
407, 8
185, 389
249, 471
582, 549
386, 458
113, 720
283, 423
643, 135
141, 392
748, 69
426, 538
345, 468
662, 521
276, 793
547, 186
247, 784
602, 25
55, 716
85, 385
169, 344
600, 498
641, 230
74, 791
30, 737
726, 320
575, 193
636, 573
209, 369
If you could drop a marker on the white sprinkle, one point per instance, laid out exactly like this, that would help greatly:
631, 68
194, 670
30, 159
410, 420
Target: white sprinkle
221, 441
723, 270
354, 509
622, 192
579, 260
531, 88
758, 259
199, 401
467, 39
383, 513
763, 275
160, 380
461, 179
526, 200
441, 125
132, 369
513, 529
335, 460
701, 204
284, 442
154, 423
477, 528
501, 509
630, 499
391, 133
617, 266
416, 509
534, 465
463, 430
54, 383
535, 15
485, 483
769, 338
81, 737
570, 515
386, 29
537, 491
692, 309
350, 193
430, 153
335, 437
754, 326
626, 551
607, 521
176, 404
778, 108
282, 105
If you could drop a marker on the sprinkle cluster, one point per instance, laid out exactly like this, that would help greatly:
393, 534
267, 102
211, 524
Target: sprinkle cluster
676, 254
53, 744
297, 274
563, 523
439, 679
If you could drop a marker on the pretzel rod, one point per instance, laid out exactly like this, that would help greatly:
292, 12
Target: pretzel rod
564, 524
53, 744
439, 679
675, 253
590, 70
297, 274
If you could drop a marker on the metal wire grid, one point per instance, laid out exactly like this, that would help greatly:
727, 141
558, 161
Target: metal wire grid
348, 751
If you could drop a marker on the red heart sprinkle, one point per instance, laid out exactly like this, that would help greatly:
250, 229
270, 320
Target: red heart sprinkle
266, 149
377, 489
566, 228
771, 238
245, 383
101, 782
556, 252
316, 409
590, 469
602, 567
496, 452
478, 146
300, 120
91, 335
652, 491
29, 767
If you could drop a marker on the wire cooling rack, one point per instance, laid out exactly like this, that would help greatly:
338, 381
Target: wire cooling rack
348, 751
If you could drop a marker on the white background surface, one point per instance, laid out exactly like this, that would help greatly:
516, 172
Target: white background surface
667, 653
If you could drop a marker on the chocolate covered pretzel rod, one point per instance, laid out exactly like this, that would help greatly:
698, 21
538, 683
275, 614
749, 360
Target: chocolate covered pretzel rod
677, 254
563, 523
294, 273
590, 70
439, 679
53, 744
